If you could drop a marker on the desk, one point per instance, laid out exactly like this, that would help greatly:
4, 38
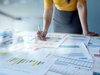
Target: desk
29, 56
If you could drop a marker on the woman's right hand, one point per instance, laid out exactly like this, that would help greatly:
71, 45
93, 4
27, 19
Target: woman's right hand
41, 35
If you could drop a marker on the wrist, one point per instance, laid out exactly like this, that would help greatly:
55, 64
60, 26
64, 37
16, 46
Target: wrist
45, 30
85, 32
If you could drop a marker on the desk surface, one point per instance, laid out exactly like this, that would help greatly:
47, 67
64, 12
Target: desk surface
29, 56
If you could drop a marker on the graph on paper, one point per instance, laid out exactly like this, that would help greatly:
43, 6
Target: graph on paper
79, 38
95, 42
70, 66
18, 61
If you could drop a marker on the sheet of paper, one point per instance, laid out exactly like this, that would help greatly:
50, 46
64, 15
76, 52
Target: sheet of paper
53, 41
70, 66
95, 42
73, 48
73, 59
95, 52
94, 49
79, 38
26, 63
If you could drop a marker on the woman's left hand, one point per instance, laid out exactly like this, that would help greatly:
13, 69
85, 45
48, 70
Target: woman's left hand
92, 34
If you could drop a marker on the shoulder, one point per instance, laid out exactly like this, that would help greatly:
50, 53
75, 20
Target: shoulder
48, 3
82, 1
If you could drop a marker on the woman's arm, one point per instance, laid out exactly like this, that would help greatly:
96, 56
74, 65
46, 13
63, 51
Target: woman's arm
47, 16
82, 10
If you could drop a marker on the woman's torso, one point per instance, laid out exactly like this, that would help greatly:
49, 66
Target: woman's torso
66, 17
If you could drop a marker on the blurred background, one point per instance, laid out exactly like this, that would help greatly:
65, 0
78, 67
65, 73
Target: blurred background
31, 12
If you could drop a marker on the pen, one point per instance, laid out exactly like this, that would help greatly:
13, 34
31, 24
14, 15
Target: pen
39, 28
39, 32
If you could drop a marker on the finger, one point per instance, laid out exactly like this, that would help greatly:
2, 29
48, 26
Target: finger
93, 34
41, 35
96, 34
42, 38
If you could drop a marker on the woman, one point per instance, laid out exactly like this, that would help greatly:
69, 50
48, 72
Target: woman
70, 16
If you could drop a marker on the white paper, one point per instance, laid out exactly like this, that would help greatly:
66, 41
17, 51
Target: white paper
53, 41
64, 66
94, 42
79, 38
93, 51
73, 48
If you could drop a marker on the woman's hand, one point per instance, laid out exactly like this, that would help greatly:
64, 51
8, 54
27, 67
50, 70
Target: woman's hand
41, 35
92, 34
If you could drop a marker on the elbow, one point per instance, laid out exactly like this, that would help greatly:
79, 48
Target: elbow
81, 6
